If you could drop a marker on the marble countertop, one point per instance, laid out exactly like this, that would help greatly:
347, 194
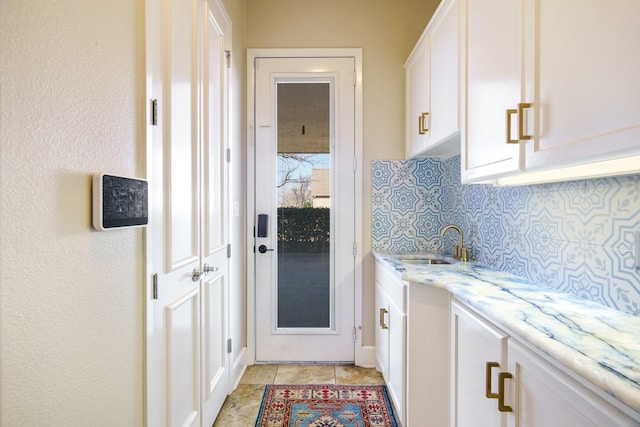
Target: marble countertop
600, 344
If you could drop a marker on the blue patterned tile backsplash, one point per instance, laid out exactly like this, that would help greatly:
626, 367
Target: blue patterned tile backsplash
576, 236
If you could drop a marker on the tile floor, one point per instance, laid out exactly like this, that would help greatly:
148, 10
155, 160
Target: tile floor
242, 406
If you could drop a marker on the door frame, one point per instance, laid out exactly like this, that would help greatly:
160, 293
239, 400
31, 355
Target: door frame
252, 54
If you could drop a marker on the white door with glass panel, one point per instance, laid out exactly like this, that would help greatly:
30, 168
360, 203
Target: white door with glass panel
304, 209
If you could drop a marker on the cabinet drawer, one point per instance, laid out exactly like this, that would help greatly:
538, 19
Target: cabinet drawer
393, 286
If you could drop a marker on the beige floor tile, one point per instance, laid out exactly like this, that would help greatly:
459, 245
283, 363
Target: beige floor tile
305, 374
349, 374
241, 407
259, 374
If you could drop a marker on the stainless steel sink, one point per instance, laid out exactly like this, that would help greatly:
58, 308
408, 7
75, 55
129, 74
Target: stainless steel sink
424, 260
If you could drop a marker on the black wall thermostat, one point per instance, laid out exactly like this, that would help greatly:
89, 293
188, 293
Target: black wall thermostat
119, 202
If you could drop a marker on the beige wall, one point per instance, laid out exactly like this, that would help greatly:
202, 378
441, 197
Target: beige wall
386, 31
71, 95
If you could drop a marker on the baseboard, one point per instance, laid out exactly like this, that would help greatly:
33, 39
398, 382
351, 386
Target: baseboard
238, 366
366, 357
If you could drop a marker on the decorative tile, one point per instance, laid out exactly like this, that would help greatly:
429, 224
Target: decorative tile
381, 225
403, 199
381, 175
576, 236
427, 172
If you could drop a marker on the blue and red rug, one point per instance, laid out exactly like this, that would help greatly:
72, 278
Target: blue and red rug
326, 405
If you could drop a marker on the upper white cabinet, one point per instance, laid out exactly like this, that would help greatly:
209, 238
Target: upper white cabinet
547, 84
431, 79
491, 39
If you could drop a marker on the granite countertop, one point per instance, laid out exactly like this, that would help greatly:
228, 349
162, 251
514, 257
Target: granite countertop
600, 344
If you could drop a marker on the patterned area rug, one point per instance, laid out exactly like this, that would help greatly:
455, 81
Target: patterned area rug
325, 405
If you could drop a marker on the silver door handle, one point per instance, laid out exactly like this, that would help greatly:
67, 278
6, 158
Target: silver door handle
206, 269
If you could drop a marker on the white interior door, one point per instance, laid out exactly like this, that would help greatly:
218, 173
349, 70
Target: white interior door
215, 235
304, 209
173, 318
187, 375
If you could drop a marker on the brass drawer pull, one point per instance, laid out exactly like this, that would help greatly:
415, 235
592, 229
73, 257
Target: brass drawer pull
383, 312
510, 112
521, 108
422, 123
489, 393
501, 406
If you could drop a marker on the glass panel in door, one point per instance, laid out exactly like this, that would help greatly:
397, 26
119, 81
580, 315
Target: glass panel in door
304, 221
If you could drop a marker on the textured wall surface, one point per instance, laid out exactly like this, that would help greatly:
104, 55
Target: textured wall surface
71, 337
576, 236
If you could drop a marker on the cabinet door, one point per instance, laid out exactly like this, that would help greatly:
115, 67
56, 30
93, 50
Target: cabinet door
491, 38
543, 396
583, 84
475, 344
397, 358
443, 90
417, 77
428, 357
432, 79
382, 331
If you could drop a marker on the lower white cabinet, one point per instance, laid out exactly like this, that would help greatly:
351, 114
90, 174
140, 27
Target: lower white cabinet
412, 348
541, 395
498, 381
391, 336
478, 355
428, 366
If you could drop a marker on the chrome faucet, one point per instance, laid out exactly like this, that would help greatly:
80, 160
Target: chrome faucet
459, 251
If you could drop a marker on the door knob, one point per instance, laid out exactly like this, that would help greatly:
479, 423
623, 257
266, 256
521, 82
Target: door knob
206, 269
262, 249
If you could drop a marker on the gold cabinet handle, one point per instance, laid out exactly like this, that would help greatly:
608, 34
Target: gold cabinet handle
510, 112
383, 312
521, 108
490, 366
501, 406
422, 123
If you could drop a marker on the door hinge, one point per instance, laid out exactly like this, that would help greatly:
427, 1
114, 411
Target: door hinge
229, 345
355, 164
154, 112
228, 155
355, 249
355, 78
229, 250
355, 334
228, 56
154, 286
